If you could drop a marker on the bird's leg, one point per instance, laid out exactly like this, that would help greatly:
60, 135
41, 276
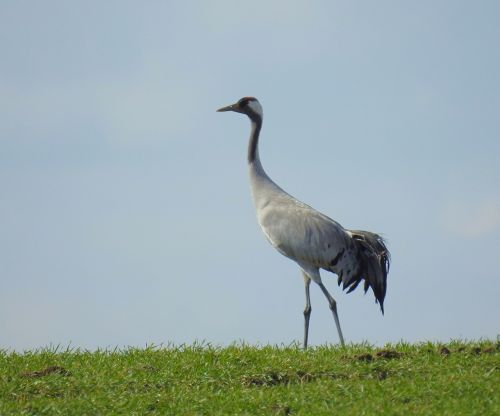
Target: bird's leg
307, 311
333, 307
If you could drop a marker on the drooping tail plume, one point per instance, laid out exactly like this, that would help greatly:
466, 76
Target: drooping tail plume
374, 258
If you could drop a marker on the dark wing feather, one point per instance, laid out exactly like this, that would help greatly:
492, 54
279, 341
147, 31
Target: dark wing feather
367, 258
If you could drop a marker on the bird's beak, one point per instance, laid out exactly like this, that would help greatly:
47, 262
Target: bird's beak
232, 107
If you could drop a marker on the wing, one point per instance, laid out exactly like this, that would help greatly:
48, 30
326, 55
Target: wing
311, 238
303, 234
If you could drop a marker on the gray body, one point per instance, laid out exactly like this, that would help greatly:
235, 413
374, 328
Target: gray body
308, 237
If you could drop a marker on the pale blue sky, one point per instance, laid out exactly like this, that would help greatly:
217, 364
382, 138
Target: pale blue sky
125, 212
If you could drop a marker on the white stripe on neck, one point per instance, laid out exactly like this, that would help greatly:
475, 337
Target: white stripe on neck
255, 107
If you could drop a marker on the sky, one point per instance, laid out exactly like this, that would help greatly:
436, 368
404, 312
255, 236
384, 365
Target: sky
125, 212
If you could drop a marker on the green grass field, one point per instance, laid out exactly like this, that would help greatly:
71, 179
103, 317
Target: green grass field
459, 378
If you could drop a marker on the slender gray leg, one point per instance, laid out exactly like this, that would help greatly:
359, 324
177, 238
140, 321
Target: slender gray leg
333, 307
307, 311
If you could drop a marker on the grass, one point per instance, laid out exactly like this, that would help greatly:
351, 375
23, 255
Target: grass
459, 378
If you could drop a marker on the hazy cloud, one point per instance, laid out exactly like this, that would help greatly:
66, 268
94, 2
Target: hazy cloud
472, 218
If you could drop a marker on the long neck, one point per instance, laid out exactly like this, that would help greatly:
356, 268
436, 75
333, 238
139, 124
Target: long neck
253, 144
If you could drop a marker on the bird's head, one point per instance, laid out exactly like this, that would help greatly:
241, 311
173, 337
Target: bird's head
246, 105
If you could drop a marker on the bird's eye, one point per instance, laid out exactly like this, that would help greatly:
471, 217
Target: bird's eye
243, 102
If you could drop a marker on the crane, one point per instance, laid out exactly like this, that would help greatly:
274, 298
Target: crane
308, 237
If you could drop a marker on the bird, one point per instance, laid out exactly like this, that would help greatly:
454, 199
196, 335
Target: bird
313, 240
